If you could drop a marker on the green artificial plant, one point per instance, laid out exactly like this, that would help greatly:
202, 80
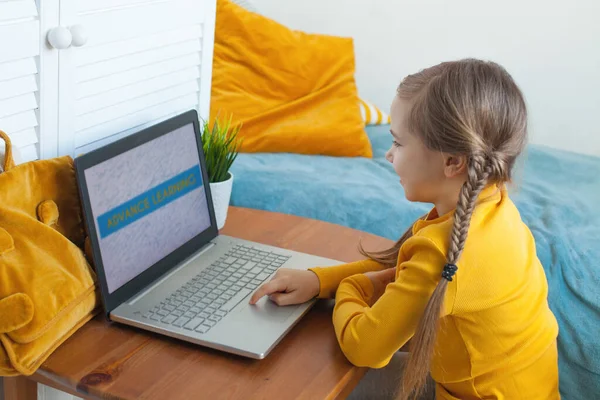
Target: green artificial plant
221, 148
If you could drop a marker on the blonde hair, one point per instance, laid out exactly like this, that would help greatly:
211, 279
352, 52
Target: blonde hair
472, 108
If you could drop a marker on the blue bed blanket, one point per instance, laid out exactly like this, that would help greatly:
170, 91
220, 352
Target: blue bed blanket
556, 192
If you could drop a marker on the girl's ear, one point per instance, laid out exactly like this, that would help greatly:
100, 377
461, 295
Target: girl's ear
454, 165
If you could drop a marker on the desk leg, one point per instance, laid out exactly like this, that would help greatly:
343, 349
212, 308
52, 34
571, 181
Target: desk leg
20, 388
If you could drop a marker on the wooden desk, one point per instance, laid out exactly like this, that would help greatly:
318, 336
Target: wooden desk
111, 361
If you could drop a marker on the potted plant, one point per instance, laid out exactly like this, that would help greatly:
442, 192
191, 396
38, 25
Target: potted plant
220, 151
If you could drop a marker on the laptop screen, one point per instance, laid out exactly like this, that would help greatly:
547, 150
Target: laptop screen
146, 203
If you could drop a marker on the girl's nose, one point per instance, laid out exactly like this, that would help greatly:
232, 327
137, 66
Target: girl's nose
388, 156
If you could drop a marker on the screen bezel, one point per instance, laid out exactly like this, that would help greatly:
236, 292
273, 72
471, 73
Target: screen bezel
128, 290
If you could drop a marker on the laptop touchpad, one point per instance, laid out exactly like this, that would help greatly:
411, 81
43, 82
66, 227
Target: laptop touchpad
267, 310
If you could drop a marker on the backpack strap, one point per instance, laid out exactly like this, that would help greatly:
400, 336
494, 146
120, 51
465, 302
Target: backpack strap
9, 162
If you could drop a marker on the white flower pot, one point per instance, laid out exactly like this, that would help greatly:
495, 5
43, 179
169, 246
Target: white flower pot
221, 194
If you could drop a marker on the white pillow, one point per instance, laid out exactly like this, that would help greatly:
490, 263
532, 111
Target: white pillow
372, 115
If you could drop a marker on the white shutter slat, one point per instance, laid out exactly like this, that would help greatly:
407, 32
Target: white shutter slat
15, 105
17, 87
24, 40
101, 142
87, 6
17, 10
113, 66
19, 47
29, 153
123, 109
134, 120
89, 55
143, 69
133, 76
19, 122
149, 18
17, 69
24, 138
106, 99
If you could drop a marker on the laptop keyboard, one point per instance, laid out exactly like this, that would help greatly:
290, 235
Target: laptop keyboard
202, 302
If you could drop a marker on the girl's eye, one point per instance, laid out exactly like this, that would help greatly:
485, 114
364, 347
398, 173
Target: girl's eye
396, 144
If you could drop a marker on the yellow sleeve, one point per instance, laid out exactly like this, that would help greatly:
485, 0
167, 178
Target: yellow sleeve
330, 277
369, 336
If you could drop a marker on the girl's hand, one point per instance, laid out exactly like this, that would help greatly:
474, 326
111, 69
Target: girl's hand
380, 279
289, 286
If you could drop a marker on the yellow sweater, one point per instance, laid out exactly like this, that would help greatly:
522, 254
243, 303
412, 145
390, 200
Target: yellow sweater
497, 335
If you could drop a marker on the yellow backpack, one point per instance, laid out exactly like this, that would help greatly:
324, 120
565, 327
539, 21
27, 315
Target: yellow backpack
47, 287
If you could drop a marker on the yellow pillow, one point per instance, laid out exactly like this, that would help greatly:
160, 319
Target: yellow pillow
372, 115
292, 91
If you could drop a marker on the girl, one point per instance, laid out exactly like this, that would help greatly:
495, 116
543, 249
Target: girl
475, 310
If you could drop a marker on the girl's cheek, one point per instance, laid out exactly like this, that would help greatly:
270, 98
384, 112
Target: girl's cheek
397, 166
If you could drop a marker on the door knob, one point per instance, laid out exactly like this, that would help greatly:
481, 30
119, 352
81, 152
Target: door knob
60, 38
79, 35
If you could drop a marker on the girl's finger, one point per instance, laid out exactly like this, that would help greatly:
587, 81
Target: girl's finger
282, 299
273, 286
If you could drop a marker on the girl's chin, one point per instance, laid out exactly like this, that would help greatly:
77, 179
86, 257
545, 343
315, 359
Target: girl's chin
409, 195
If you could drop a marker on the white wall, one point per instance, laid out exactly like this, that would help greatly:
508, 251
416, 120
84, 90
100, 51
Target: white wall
552, 49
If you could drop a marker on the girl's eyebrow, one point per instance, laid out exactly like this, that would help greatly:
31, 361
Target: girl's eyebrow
393, 134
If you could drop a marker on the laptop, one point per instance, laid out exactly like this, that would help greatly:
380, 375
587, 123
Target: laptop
162, 265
